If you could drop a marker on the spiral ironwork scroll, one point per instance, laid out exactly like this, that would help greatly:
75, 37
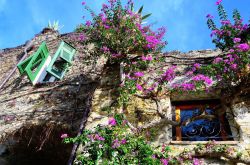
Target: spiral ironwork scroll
217, 129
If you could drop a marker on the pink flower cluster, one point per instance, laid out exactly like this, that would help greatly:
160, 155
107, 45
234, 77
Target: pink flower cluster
63, 136
184, 86
209, 16
196, 161
152, 42
236, 40
147, 58
243, 47
196, 67
105, 49
88, 23
169, 75
164, 161
187, 86
139, 74
116, 143
217, 60
218, 2
139, 87
96, 137
112, 121
225, 22
203, 78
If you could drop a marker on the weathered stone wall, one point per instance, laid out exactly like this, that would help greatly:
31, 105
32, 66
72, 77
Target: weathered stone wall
65, 102
62, 103
141, 111
242, 118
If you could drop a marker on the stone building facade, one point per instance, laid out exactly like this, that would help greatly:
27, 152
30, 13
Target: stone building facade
38, 115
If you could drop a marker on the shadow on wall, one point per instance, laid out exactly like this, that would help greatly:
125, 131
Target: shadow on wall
38, 145
64, 103
58, 102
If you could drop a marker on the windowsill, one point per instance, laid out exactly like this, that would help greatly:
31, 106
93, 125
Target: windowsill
203, 142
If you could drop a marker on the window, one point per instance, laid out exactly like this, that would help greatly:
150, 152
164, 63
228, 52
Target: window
200, 121
23, 64
61, 60
33, 64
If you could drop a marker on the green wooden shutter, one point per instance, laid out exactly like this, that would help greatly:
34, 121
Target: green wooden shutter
61, 60
67, 52
37, 61
23, 64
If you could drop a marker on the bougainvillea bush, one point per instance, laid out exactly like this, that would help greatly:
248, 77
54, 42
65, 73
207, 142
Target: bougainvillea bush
118, 32
114, 144
232, 67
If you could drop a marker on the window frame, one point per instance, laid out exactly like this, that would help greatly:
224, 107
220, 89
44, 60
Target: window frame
179, 106
59, 54
26, 65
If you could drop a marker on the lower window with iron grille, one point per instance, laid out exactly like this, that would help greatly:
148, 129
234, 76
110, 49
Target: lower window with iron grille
200, 121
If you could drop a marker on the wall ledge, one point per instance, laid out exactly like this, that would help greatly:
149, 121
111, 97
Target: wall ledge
202, 142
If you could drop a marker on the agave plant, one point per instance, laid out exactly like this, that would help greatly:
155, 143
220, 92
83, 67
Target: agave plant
55, 25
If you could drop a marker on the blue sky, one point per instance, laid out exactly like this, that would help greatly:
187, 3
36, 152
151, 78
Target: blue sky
185, 20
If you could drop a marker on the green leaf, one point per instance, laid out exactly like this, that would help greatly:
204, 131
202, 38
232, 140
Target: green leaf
132, 7
222, 12
236, 16
211, 25
146, 16
140, 10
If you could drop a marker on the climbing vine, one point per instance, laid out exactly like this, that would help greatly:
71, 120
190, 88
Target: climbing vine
119, 34
113, 144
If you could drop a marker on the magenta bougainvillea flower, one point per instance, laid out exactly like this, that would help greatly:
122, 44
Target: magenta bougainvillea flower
218, 2
243, 47
112, 121
147, 58
88, 23
139, 87
203, 78
82, 37
123, 141
188, 86
95, 137
116, 143
169, 74
217, 60
225, 22
139, 74
196, 161
164, 161
105, 49
236, 40
98, 137
63, 136
210, 16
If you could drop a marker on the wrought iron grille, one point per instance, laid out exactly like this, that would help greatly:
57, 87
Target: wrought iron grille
201, 122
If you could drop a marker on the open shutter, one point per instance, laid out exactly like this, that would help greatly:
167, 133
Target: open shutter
67, 52
61, 60
37, 61
23, 64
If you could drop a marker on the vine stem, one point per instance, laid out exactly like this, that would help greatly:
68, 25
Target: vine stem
82, 126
